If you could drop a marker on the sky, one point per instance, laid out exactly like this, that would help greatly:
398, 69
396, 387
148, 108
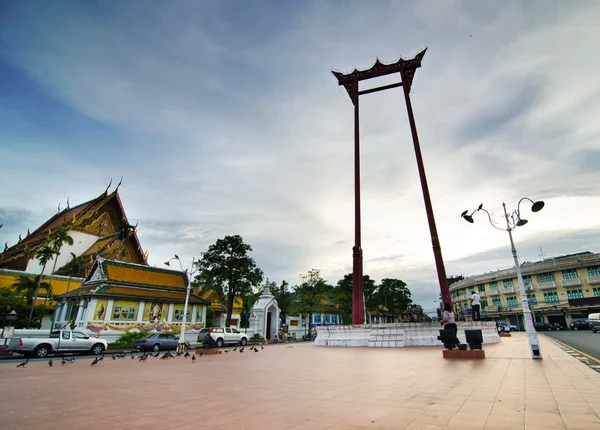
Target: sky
224, 118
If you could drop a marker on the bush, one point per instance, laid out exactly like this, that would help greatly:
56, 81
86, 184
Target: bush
128, 339
257, 338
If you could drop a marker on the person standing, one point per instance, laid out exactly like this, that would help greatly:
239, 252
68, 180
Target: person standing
448, 321
475, 306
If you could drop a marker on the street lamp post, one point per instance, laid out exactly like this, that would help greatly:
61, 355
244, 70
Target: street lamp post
513, 221
188, 276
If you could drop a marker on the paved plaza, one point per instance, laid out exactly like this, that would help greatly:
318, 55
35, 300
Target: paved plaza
302, 386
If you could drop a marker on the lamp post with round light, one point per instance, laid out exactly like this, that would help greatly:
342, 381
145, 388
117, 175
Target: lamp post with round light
188, 276
514, 220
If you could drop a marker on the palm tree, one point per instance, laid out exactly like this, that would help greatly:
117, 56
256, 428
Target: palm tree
73, 267
26, 285
43, 255
57, 240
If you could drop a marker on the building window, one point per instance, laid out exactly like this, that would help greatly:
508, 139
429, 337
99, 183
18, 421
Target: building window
317, 318
546, 277
550, 297
494, 285
526, 280
596, 292
484, 304
508, 283
333, 318
575, 294
532, 299
511, 301
326, 318
481, 288
594, 271
497, 303
569, 274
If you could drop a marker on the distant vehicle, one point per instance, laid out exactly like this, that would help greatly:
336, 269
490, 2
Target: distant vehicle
202, 334
594, 320
513, 327
579, 324
58, 341
157, 342
503, 325
543, 326
224, 336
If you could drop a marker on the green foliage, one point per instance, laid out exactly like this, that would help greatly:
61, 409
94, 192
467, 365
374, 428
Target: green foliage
11, 300
210, 316
228, 269
27, 285
341, 295
283, 296
74, 266
392, 297
257, 338
310, 293
128, 339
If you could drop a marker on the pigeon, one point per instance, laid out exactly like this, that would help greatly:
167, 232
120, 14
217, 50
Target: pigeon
63, 362
225, 351
23, 364
234, 349
165, 355
132, 356
187, 354
255, 349
72, 360
169, 355
262, 347
50, 362
242, 350
113, 357
194, 357
96, 361
143, 357
201, 353
220, 352
155, 355
101, 357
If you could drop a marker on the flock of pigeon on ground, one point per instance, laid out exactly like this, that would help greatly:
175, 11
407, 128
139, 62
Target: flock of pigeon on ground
144, 356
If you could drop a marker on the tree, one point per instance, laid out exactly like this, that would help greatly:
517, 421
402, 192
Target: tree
73, 267
228, 267
26, 286
310, 293
283, 296
392, 297
57, 240
341, 295
10, 300
43, 255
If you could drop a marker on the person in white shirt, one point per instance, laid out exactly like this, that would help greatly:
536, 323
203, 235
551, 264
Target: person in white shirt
448, 320
475, 306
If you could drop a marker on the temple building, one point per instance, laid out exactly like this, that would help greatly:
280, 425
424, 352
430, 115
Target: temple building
119, 297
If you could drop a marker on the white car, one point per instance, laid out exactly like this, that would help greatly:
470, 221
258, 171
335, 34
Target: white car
225, 335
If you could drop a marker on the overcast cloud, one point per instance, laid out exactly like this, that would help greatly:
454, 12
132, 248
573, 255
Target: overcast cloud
224, 118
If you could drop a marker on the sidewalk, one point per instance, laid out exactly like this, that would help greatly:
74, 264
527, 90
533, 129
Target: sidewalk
302, 386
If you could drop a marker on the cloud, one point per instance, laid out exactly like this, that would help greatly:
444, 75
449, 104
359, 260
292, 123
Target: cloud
226, 119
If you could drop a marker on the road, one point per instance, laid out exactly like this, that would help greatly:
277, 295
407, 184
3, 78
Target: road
582, 340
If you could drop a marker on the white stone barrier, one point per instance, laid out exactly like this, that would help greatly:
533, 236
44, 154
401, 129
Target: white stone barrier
398, 335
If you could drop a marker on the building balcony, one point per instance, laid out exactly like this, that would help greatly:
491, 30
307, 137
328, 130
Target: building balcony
570, 282
529, 287
547, 285
510, 290
593, 279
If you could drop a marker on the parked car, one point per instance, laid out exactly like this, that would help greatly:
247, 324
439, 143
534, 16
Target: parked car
579, 324
503, 325
157, 342
513, 327
224, 336
543, 326
59, 341
594, 320
202, 334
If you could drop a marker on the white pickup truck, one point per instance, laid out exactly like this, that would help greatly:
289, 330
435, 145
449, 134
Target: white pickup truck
224, 336
59, 341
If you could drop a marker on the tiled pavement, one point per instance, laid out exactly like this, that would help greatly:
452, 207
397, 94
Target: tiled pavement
308, 387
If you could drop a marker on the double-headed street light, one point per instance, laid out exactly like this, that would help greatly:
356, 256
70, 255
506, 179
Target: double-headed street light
188, 275
513, 221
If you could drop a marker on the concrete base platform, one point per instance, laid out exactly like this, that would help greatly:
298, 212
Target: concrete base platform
398, 335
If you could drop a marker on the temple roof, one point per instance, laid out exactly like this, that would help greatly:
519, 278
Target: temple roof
98, 217
116, 291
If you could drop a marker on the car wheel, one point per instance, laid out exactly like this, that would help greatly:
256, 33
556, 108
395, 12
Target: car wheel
156, 347
575, 328
594, 329
219, 342
41, 351
97, 349
244, 341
